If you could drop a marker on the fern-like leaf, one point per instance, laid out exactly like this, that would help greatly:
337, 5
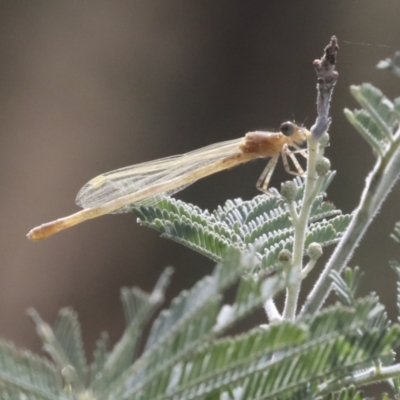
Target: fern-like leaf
368, 129
391, 64
378, 119
61, 350
195, 318
396, 233
396, 109
139, 307
396, 267
395, 384
350, 393
347, 286
178, 330
67, 332
261, 225
251, 294
99, 356
188, 225
23, 375
283, 361
328, 232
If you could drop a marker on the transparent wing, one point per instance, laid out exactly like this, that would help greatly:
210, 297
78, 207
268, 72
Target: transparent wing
124, 181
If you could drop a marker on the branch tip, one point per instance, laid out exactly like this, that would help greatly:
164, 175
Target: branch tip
327, 77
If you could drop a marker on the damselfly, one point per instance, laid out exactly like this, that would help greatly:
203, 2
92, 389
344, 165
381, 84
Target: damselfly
116, 191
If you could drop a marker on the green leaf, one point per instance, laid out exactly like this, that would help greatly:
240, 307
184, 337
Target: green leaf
60, 351
369, 129
347, 286
378, 107
184, 326
188, 225
340, 223
322, 210
226, 360
284, 361
395, 384
22, 373
327, 232
99, 356
396, 110
349, 394
269, 259
251, 294
396, 233
67, 332
261, 225
396, 267
194, 319
391, 64
139, 307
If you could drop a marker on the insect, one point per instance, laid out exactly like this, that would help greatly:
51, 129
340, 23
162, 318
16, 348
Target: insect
115, 191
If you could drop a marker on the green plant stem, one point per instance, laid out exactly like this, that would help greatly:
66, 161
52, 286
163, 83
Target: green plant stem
378, 186
300, 222
293, 212
372, 375
272, 312
308, 268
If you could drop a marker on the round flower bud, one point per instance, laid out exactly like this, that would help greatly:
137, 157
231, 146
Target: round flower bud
323, 166
68, 373
289, 190
314, 251
324, 140
285, 256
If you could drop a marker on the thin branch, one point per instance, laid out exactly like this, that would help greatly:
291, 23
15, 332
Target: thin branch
300, 231
308, 268
378, 185
271, 311
326, 80
372, 375
327, 77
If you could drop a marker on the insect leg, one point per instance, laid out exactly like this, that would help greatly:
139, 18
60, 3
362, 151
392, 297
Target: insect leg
285, 154
299, 150
263, 180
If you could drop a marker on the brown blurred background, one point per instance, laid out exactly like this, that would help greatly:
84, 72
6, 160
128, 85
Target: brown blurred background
89, 86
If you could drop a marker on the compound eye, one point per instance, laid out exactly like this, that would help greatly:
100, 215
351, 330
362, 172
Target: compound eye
288, 128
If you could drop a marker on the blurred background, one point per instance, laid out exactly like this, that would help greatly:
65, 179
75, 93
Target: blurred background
88, 86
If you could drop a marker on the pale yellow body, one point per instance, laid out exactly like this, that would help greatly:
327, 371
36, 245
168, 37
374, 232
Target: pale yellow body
114, 191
